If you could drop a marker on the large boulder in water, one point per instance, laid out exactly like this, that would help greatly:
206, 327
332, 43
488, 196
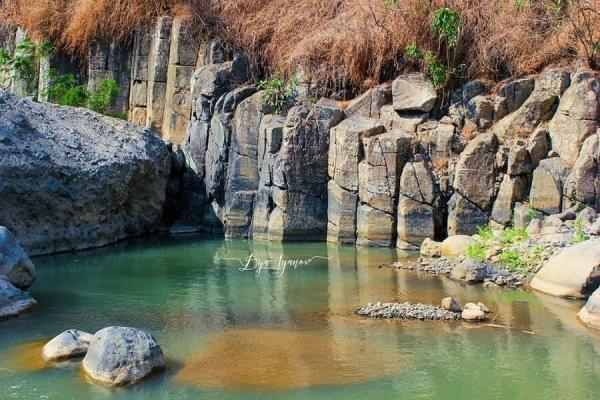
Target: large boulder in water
573, 273
13, 301
14, 261
118, 356
74, 179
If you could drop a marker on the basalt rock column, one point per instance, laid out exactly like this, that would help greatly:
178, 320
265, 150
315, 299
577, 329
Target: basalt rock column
292, 193
138, 96
158, 64
416, 207
379, 176
474, 180
182, 58
345, 153
111, 60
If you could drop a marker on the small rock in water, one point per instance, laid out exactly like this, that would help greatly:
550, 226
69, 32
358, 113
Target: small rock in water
71, 343
483, 308
451, 304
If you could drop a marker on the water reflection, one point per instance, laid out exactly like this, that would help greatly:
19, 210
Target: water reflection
205, 311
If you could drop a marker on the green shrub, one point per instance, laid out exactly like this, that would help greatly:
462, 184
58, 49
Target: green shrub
579, 236
514, 235
23, 64
476, 252
511, 260
279, 94
66, 91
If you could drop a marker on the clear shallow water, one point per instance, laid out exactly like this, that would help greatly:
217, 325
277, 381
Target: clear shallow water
234, 335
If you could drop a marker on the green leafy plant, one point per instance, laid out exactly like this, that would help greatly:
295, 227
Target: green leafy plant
279, 93
66, 91
447, 25
22, 65
579, 236
477, 252
511, 260
514, 235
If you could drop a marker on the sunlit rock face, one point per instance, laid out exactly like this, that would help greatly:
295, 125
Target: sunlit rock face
282, 360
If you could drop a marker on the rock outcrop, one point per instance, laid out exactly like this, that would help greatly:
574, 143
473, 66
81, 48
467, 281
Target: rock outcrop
13, 301
73, 179
118, 356
15, 263
590, 313
573, 273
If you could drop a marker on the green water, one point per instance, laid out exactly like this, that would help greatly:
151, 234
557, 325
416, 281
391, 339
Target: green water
189, 293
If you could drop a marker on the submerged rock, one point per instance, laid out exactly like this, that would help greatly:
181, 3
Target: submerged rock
573, 273
14, 261
73, 179
71, 343
590, 313
13, 301
118, 356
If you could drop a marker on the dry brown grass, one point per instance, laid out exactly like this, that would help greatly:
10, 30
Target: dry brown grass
341, 42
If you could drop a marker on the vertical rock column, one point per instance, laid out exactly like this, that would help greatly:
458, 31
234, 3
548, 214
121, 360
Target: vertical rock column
182, 58
138, 96
111, 60
379, 175
242, 174
158, 63
474, 180
345, 153
291, 202
417, 205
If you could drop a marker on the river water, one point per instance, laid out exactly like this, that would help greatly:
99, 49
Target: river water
277, 333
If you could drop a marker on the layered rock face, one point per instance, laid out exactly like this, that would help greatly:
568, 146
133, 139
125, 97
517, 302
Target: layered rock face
383, 171
73, 179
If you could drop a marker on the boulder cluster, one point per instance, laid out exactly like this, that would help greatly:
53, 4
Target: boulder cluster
114, 356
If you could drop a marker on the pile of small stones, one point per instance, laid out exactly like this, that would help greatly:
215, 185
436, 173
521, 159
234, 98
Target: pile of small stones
407, 311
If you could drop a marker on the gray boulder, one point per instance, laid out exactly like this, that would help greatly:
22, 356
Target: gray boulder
13, 301
118, 356
69, 344
583, 184
577, 116
547, 186
413, 92
72, 179
512, 95
539, 107
469, 270
14, 261
590, 313
573, 273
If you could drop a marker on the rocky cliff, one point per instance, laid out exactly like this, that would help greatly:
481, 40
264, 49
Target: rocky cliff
73, 179
386, 169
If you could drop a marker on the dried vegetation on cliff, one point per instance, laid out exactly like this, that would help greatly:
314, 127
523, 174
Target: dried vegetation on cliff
355, 42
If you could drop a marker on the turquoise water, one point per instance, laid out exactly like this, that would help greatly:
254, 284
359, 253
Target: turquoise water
232, 334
